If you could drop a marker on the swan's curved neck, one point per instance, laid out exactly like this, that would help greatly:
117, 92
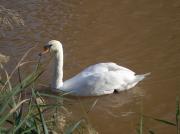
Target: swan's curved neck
57, 81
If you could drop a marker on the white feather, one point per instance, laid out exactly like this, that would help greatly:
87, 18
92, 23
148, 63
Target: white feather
98, 79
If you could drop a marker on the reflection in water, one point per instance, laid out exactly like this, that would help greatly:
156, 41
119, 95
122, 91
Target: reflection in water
142, 35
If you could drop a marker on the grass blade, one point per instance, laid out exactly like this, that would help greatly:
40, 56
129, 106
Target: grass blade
26, 118
141, 125
37, 127
93, 105
140, 129
164, 121
177, 114
5, 117
45, 129
151, 132
50, 96
72, 128
161, 120
25, 83
29, 130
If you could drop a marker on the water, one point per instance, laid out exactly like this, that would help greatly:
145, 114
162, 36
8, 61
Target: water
142, 35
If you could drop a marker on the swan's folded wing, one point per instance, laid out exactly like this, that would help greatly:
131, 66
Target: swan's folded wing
89, 85
107, 82
100, 79
103, 67
99, 83
115, 67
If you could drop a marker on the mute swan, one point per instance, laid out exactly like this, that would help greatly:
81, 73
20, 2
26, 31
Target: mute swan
98, 79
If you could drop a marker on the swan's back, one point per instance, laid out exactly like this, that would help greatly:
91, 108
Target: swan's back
102, 78
103, 67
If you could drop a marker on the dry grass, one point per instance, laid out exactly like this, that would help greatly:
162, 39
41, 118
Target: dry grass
32, 113
4, 58
9, 19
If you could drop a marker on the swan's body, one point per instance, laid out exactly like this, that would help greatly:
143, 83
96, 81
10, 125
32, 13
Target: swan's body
98, 79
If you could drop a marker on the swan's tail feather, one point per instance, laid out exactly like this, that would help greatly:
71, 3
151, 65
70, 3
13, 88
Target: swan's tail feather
141, 77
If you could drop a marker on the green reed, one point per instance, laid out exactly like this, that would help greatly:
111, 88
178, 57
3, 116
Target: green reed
28, 114
162, 121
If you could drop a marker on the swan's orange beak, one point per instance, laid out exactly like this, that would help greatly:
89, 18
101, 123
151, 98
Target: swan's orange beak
46, 50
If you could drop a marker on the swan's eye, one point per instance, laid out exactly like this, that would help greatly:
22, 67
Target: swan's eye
47, 47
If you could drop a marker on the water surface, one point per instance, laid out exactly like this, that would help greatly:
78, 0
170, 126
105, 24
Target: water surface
142, 35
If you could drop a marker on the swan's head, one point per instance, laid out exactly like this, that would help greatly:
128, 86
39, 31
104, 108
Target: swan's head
52, 46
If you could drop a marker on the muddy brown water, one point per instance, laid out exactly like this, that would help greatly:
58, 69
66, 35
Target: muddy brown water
142, 35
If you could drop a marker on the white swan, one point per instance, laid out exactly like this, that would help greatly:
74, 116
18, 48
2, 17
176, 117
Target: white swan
98, 79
